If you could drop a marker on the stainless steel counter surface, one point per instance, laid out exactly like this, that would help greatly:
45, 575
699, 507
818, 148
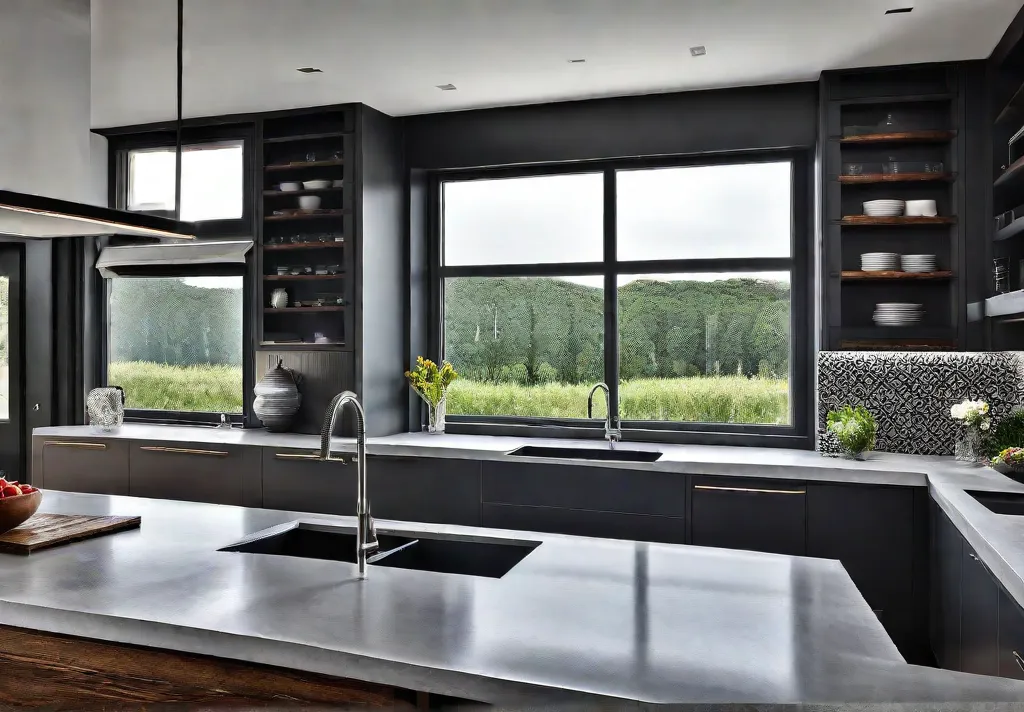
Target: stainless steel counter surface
577, 618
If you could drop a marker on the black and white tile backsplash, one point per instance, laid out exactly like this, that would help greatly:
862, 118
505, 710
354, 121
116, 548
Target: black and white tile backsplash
910, 393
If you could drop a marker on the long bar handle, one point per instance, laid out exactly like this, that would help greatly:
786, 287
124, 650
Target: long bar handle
184, 450
713, 488
69, 443
309, 456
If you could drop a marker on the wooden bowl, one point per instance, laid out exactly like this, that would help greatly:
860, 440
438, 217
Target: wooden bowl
14, 511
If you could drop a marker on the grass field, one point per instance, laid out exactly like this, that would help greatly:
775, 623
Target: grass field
717, 399
216, 389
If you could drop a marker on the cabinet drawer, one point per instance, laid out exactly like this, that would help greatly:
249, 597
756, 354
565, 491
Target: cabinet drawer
84, 465
755, 515
189, 472
979, 617
416, 489
1011, 638
600, 489
299, 481
606, 525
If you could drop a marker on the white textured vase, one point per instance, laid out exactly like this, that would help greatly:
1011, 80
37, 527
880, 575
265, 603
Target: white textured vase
279, 298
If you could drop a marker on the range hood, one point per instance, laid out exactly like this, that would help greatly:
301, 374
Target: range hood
202, 256
39, 217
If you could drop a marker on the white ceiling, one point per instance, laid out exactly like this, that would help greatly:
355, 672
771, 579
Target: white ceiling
241, 55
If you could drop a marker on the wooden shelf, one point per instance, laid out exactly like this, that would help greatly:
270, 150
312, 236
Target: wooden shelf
898, 345
301, 346
306, 216
296, 310
304, 164
305, 246
904, 99
306, 137
308, 191
301, 277
896, 178
1007, 307
901, 137
901, 220
857, 275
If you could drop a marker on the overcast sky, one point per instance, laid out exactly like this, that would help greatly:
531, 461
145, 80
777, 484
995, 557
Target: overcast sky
669, 213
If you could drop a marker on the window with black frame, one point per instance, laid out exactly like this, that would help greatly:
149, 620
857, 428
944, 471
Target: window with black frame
699, 260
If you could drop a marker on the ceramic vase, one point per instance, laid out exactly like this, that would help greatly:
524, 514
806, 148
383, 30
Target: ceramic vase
277, 399
106, 407
279, 298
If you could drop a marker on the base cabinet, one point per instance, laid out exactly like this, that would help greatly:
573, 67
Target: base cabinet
979, 617
94, 465
218, 474
946, 573
299, 481
581, 522
419, 489
755, 515
1011, 638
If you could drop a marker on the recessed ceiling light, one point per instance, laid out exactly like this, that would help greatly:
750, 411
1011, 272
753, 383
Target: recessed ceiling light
698, 51
446, 87
310, 70
899, 10
577, 61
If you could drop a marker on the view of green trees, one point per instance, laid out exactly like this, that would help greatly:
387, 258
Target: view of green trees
175, 345
512, 339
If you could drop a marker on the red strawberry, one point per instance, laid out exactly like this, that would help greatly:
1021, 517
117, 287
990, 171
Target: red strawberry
10, 491
26, 489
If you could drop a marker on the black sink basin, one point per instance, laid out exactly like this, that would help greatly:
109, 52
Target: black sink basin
492, 559
587, 453
313, 542
443, 554
1000, 502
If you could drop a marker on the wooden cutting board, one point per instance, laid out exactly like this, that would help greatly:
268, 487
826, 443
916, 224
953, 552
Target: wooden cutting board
42, 531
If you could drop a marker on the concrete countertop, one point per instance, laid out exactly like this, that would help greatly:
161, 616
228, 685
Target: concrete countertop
577, 618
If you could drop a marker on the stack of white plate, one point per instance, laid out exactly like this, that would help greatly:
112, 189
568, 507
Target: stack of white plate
918, 263
883, 208
879, 261
898, 314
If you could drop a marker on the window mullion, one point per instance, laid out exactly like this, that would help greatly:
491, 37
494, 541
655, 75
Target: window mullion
611, 313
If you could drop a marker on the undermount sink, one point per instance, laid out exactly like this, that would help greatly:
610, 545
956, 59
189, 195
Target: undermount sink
420, 551
1000, 502
587, 453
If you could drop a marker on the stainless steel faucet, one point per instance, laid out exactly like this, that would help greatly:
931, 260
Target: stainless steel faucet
366, 532
611, 433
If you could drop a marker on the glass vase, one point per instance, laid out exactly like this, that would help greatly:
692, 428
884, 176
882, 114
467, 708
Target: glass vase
435, 416
968, 447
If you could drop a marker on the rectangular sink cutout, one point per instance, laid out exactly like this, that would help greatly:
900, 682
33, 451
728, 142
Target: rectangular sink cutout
587, 453
419, 551
1000, 502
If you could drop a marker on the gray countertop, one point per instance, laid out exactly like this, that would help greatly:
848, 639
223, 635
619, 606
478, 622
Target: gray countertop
577, 618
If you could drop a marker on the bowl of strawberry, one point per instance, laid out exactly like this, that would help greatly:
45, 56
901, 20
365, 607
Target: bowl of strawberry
17, 503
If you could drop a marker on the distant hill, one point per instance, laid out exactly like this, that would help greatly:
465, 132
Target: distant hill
535, 330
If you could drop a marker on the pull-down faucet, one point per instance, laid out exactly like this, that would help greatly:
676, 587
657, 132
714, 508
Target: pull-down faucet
366, 532
611, 433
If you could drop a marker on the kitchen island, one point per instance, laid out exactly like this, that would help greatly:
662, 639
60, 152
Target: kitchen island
577, 620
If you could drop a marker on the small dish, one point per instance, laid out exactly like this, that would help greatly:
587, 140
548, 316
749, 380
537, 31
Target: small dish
309, 202
289, 187
921, 208
316, 184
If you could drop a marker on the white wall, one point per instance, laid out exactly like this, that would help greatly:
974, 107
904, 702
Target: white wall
44, 98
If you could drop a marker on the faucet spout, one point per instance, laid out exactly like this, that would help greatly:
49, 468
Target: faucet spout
611, 432
366, 532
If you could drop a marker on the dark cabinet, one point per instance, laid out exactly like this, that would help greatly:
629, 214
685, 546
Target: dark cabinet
218, 474
98, 466
979, 617
1011, 638
299, 481
415, 489
756, 515
582, 522
870, 530
946, 569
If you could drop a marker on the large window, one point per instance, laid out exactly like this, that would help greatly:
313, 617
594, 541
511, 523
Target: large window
672, 283
175, 344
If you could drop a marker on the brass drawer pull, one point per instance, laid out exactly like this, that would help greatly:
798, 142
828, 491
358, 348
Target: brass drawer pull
69, 443
184, 450
296, 456
712, 488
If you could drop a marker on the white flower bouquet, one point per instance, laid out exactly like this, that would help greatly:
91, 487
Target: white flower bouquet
972, 414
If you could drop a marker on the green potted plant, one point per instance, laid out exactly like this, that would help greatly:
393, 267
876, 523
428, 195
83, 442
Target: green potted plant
431, 382
854, 429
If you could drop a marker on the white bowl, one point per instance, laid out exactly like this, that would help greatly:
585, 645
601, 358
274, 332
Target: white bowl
289, 187
309, 202
316, 184
921, 208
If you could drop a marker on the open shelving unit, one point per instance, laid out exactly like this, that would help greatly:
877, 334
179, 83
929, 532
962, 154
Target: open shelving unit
299, 147
874, 117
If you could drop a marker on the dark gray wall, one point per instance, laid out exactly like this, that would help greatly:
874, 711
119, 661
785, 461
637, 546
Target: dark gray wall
774, 116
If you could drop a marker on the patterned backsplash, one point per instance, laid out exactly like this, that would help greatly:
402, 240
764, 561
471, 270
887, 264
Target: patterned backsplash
910, 393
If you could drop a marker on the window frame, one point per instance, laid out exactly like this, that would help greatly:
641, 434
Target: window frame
798, 264
118, 148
